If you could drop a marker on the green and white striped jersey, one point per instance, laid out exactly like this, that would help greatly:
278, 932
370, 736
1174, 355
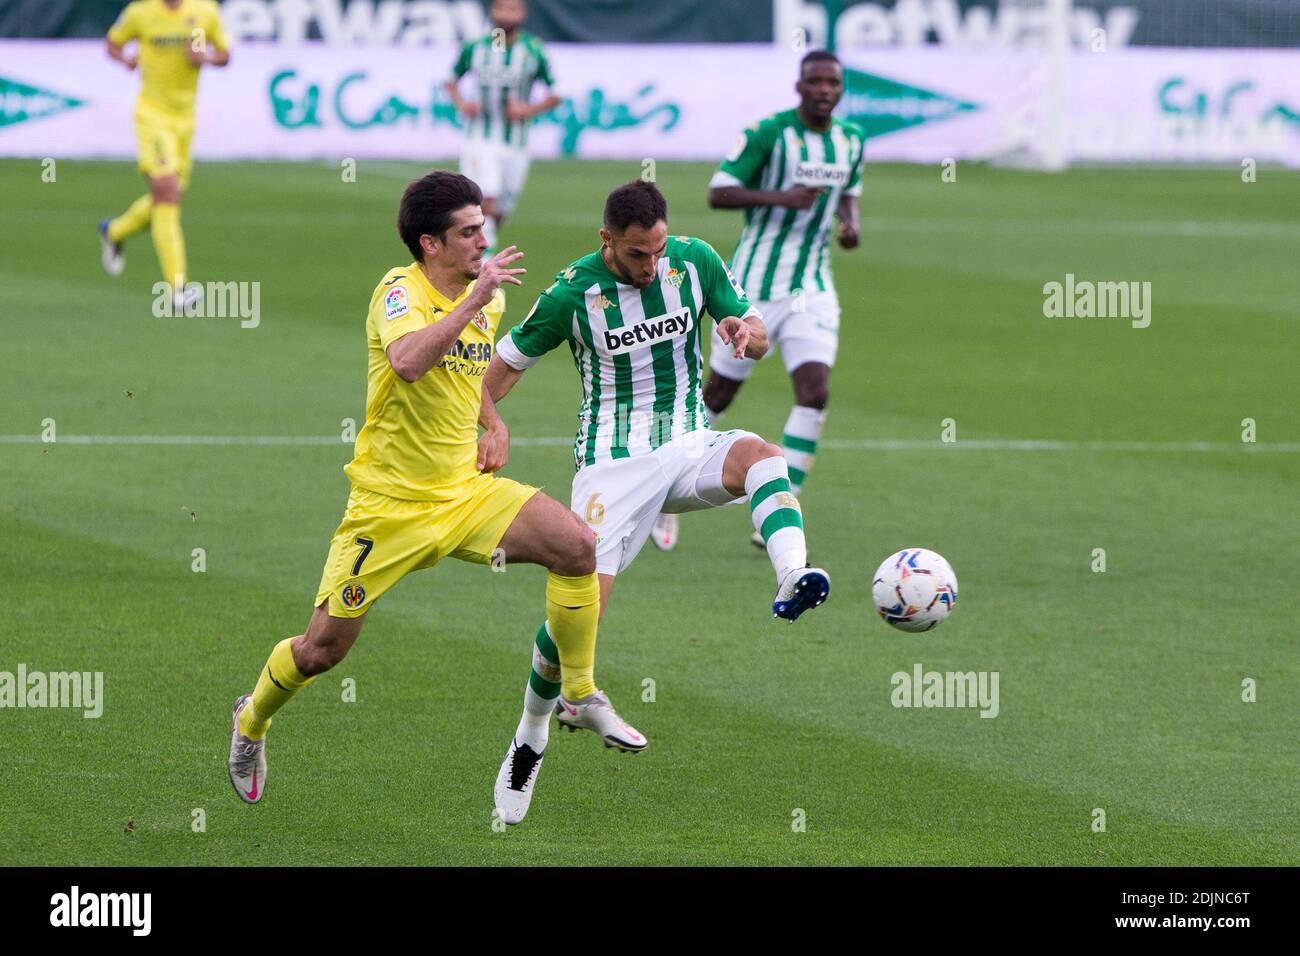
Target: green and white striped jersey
637, 351
499, 73
782, 251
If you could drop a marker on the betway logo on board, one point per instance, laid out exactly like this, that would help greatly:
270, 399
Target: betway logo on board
20, 102
951, 23
881, 105
366, 22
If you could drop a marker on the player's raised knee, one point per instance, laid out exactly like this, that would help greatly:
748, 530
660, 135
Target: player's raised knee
813, 395
756, 449
575, 550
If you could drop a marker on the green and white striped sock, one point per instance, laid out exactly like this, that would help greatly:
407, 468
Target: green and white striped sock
803, 429
775, 512
539, 696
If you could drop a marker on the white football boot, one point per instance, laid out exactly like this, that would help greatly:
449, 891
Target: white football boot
247, 760
515, 782
110, 252
801, 590
664, 532
594, 712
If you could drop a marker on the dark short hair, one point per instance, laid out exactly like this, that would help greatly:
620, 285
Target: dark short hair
638, 203
429, 203
819, 56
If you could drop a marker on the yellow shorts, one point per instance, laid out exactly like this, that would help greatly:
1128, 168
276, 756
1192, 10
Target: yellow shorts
382, 539
164, 146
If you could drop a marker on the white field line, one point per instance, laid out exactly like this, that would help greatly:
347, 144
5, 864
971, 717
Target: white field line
843, 444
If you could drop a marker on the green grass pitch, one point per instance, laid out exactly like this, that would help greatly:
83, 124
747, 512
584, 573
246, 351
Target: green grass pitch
1119, 690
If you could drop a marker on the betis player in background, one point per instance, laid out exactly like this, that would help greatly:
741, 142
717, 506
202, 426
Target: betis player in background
502, 66
793, 174
176, 39
631, 315
423, 487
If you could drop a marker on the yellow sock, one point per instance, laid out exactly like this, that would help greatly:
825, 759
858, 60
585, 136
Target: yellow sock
279, 681
134, 220
573, 611
169, 243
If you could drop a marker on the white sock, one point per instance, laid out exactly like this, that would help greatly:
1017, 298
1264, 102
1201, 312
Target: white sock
803, 429
711, 416
775, 512
535, 725
490, 234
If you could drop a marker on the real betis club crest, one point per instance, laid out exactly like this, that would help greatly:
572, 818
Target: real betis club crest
881, 105
19, 102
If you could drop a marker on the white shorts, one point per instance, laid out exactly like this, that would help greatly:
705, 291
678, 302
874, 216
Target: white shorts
499, 170
806, 328
620, 498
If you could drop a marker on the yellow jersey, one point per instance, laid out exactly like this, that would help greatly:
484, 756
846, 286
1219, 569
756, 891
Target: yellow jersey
169, 81
420, 439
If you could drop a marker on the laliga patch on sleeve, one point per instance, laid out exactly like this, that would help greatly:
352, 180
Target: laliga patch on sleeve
737, 149
735, 284
396, 303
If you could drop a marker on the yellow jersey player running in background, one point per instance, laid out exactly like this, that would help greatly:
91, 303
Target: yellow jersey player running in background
423, 487
175, 38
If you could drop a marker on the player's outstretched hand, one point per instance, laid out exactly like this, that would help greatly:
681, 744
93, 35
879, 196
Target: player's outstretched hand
800, 197
496, 271
494, 449
735, 333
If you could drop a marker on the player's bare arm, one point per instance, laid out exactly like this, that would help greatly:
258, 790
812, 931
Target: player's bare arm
494, 443
467, 108
413, 355
747, 336
500, 379
738, 197
203, 54
849, 232
128, 60
519, 110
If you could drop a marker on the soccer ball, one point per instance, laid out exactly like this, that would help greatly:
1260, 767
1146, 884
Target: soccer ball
915, 589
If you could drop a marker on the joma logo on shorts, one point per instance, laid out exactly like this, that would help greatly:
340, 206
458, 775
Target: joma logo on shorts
661, 328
